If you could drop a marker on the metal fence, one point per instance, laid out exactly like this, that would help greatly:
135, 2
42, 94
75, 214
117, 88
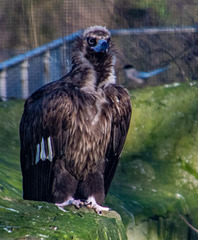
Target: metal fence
23, 74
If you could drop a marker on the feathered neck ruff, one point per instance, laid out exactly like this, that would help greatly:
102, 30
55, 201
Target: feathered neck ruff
97, 69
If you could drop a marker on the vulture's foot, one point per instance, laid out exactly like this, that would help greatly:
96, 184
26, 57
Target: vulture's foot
77, 203
91, 203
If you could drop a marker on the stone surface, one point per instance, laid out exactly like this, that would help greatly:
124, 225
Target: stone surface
21, 219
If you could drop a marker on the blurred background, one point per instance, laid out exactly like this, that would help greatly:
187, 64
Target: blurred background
28, 24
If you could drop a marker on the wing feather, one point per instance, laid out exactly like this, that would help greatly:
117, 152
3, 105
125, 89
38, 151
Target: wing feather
120, 101
43, 136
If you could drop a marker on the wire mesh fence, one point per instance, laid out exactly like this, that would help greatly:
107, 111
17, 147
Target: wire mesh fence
150, 39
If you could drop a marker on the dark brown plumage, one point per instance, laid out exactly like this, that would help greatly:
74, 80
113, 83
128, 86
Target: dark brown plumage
73, 130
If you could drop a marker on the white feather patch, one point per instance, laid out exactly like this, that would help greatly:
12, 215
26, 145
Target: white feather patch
42, 154
49, 149
40, 151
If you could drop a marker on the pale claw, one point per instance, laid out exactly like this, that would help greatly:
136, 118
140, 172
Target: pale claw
77, 203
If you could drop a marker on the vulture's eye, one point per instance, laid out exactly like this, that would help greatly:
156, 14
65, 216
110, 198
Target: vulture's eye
91, 41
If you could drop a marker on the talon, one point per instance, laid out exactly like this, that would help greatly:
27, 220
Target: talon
89, 206
77, 203
80, 205
88, 203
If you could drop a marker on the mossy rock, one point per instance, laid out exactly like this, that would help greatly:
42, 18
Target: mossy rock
21, 219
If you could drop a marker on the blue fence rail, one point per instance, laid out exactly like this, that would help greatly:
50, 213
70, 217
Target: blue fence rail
51, 61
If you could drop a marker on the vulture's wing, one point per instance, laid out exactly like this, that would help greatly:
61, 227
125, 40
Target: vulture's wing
121, 108
43, 134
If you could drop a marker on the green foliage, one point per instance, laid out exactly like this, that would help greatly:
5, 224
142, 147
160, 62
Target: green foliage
159, 6
158, 173
10, 176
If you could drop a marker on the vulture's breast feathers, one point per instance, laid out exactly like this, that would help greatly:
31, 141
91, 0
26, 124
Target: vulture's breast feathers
71, 124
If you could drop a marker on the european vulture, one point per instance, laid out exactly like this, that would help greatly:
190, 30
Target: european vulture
73, 130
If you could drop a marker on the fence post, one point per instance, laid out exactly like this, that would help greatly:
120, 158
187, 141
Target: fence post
46, 62
3, 85
24, 79
65, 61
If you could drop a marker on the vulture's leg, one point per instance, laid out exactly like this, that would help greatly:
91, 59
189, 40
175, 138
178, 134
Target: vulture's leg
92, 189
63, 186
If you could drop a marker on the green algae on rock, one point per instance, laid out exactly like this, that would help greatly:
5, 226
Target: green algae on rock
39, 220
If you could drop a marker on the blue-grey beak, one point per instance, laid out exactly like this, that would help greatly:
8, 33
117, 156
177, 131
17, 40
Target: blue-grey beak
102, 46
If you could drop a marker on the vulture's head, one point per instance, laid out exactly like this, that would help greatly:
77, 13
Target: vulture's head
94, 44
94, 50
96, 40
